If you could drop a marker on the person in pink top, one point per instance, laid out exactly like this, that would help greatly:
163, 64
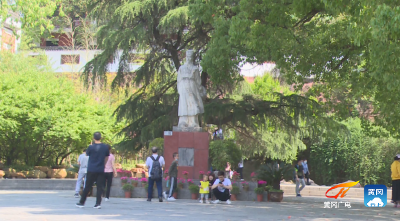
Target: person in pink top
110, 172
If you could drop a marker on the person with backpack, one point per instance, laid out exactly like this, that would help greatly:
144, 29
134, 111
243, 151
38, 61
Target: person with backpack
155, 163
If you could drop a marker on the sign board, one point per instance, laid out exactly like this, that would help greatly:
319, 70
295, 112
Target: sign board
167, 133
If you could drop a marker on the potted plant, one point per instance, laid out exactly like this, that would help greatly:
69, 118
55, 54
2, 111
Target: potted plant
180, 183
275, 195
253, 177
175, 194
273, 173
194, 189
262, 183
190, 182
143, 180
259, 191
234, 192
134, 181
235, 176
268, 189
165, 173
128, 190
124, 180
201, 174
245, 185
185, 174
143, 174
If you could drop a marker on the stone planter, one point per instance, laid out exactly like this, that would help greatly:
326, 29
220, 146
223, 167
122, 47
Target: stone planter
57, 173
194, 196
276, 196
20, 175
135, 184
185, 176
233, 197
259, 197
42, 168
128, 194
269, 196
175, 195
9, 172
72, 175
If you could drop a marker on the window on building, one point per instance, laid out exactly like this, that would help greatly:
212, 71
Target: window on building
7, 46
39, 57
137, 58
70, 59
52, 42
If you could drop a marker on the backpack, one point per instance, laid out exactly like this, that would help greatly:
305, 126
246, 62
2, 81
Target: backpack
156, 171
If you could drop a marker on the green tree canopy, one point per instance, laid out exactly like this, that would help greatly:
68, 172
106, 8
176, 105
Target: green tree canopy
351, 47
165, 30
42, 118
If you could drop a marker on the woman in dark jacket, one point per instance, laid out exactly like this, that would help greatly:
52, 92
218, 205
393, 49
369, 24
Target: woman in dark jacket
211, 179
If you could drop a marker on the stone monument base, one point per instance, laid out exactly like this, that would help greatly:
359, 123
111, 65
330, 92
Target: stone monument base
187, 129
193, 152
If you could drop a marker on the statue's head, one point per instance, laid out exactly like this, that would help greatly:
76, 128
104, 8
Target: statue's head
189, 56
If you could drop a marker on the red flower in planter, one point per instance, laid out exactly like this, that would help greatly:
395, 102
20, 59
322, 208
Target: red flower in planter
185, 173
201, 172
253, 174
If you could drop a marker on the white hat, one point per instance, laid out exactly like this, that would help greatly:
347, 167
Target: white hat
398, 156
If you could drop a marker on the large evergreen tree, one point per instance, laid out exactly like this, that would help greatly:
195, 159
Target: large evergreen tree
164, 30
351, 47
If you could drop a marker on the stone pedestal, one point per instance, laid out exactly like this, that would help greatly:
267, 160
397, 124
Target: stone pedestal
193, 152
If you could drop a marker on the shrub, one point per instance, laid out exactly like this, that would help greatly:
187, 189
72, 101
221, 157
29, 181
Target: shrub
273, 173
359, 156
275, 190
127, 187
235, 190
222, 151
194, 189
268, 188
259, 190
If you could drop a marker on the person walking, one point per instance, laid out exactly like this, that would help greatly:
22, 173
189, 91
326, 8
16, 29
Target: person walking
155, 163
240, 169
395, 169
173, 176
299, 178
109, 172
306, 171
98, 156
82, 162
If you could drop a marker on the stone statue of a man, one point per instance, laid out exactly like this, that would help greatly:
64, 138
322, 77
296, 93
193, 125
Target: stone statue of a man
190, 94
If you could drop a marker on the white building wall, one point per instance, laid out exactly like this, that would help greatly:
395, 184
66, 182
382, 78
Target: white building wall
54, 59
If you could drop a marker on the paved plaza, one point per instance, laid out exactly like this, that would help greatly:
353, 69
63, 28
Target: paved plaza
60, 206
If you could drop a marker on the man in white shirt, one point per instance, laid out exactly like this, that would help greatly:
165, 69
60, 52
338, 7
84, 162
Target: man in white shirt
82, 162
221, 188
155, 174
